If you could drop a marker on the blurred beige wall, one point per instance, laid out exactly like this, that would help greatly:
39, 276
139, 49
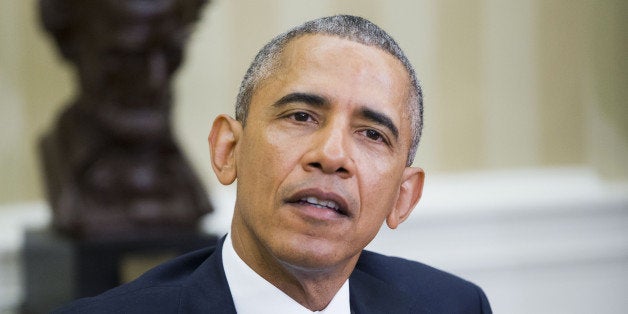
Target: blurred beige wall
508, 84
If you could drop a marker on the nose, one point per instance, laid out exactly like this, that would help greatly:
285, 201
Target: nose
330, 152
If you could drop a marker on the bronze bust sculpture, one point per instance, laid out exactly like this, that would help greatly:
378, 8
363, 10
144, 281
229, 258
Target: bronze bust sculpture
112, 166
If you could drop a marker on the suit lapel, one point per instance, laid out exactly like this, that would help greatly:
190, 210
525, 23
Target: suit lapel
207, 290
371, 295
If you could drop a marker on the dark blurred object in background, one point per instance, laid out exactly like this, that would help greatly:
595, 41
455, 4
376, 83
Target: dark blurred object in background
111, 165
119, 186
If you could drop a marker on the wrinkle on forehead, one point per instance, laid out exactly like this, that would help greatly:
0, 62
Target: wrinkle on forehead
309, 58
317, 48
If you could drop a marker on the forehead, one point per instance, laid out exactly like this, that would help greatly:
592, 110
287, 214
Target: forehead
344, 71
318, 53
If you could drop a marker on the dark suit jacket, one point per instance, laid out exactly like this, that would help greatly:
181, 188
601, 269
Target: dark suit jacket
196, 283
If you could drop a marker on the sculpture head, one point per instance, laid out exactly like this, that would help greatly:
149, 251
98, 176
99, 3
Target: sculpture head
125, 53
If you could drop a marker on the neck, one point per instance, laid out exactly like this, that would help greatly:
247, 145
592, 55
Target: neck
312, 288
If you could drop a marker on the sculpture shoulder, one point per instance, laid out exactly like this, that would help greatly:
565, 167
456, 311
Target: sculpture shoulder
435, 290
156, 291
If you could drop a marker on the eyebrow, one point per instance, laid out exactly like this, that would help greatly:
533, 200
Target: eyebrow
307, 98
320, 101
381, 119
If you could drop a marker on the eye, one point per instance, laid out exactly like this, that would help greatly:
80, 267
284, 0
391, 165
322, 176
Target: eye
301, 116
374, 135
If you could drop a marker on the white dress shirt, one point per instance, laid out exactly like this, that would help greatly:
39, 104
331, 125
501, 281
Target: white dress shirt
253, 294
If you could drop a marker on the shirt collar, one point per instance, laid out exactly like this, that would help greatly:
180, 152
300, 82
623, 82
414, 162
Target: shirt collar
253, 294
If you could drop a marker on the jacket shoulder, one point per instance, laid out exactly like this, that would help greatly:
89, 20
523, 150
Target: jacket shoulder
434, 290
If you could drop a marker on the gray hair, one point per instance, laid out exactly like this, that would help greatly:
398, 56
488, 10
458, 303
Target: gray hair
348, 27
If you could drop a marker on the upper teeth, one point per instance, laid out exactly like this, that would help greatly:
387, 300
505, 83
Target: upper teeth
322, 203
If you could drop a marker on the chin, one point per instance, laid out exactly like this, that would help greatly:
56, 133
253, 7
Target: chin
313, 254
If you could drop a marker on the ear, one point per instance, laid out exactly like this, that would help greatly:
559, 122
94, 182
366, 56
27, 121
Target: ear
223, 138
410, 192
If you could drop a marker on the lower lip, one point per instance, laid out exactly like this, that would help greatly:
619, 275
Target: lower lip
313, 212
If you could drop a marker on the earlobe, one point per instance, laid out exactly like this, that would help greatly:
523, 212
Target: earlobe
410, 193
223, 138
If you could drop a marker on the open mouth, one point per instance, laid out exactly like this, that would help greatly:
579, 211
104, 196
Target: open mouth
320, 203
329, 202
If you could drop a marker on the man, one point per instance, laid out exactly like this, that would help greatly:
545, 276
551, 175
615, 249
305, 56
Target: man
328, 119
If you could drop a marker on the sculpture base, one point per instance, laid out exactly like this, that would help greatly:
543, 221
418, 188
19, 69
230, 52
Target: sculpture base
58, 269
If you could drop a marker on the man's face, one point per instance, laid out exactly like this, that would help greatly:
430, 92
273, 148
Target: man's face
322, 157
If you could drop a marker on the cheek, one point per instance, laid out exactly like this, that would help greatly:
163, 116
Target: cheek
379, 191
266, 158
377, 201
282, 149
